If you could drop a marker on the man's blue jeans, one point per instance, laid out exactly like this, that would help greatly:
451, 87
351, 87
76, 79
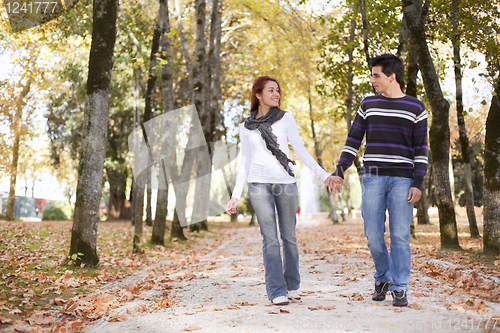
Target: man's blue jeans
266, 199
391, 193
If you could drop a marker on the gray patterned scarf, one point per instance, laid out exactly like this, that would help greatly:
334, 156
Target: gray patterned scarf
263, 124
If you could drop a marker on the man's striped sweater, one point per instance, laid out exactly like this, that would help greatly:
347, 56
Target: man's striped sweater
396, 138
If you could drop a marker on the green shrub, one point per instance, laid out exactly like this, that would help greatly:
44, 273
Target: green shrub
56, 211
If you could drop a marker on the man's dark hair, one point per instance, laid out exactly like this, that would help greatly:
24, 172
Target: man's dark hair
390, 64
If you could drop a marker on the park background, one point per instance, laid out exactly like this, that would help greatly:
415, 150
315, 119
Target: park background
76, 86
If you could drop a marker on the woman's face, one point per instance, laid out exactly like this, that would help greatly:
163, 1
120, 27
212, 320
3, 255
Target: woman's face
270, 95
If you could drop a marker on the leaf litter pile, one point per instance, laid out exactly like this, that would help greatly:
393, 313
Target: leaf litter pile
39, 294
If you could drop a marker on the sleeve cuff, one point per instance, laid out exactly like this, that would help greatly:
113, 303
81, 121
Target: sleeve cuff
417, 182
339, 171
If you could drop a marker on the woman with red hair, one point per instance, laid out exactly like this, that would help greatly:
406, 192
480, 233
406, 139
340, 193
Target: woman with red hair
266, 163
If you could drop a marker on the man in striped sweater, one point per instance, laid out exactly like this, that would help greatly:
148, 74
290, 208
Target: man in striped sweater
394, 166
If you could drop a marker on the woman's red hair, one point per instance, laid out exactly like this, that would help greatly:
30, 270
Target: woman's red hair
258, 86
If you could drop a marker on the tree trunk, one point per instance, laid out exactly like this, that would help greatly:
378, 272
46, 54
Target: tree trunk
139, 216
350, 93
15, 151
149, 192
411, 90
94, 133
177, 231
464, 140
117, 179
333, 207
403, 42
491, 199
331, 198
158, 235
440, 130
185, 49
362, 9
150, 103
132, 199
201, 99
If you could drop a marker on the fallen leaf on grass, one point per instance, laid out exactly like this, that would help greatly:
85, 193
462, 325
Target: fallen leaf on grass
247, 304
233, 307
217, 309
332, 307
5, 320
417, 294
39, 320
15, 311
278, 311
192, 328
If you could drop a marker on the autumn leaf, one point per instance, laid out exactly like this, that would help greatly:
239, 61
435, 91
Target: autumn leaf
5, 320
233, 307
415, 306
192, 328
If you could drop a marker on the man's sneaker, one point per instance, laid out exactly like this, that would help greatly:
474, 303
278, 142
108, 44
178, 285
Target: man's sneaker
380, 289
399, 298
293, 294
280, 300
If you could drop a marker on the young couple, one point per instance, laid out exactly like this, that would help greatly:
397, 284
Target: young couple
394, 165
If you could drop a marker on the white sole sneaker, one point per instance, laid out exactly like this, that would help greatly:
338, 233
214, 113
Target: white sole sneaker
280, 300
293, 294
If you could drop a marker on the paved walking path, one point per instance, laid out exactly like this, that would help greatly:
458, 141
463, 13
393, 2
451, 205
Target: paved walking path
224, 291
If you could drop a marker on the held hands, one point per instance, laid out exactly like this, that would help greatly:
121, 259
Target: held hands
334, 183
232, 206
414, 195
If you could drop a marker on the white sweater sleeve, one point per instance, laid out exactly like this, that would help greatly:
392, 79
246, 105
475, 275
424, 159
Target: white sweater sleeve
244, 165
301, 151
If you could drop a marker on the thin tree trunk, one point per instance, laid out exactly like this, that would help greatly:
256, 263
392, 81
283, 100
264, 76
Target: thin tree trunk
440, 130
350, 93
464, 140
403, 42
117, 197
200, 99
138, 225
331, 198
411, 89
141, 180
15, 151
167, 89
185, 49
132, 198
491, 199
94, 133
364, 19
177, 231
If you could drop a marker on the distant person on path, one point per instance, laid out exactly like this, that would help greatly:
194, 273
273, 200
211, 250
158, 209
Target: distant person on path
394, 166
272, 187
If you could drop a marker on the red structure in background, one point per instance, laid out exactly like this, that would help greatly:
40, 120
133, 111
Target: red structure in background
40, 203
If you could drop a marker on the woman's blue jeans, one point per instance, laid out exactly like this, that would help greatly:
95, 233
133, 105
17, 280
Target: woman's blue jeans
266, 200
391, 193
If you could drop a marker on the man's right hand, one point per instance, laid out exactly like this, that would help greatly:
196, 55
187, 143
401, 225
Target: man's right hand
335, 183
232, 206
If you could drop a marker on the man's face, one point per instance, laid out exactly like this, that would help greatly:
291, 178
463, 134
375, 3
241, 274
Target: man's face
380, 81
